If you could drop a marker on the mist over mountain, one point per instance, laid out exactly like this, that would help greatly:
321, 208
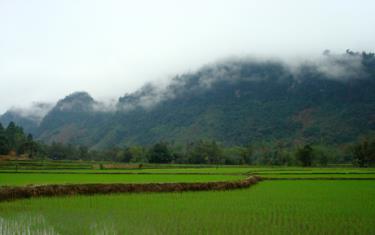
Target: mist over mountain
29, 118
330, 99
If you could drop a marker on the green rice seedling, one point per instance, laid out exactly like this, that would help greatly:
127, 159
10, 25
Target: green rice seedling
17, 179
270, 207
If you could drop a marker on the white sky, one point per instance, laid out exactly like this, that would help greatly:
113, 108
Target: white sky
50, 48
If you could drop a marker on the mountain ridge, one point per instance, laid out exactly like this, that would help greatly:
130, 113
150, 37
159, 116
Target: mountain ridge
234, 102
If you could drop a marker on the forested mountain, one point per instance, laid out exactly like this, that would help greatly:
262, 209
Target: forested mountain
330, 100
75, 119
29, 118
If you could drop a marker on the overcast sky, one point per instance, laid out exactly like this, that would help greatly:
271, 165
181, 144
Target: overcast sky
50, 48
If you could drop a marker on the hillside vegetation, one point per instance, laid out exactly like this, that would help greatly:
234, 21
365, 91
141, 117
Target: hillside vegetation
235, 102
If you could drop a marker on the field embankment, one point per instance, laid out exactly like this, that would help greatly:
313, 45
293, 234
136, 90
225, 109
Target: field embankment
11, 193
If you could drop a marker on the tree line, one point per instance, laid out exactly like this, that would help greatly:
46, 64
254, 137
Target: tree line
361, 154
13, 141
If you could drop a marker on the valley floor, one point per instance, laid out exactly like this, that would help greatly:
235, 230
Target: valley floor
310, 205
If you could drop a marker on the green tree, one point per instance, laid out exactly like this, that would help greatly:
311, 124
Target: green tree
305, 155
16, 138
127, 155
4, 143
160, 153
133, 154
364, 153
10, 133
323, 159
247, 154
138, 154
233, 155
28, 146
205, 152
83, 152
57, 151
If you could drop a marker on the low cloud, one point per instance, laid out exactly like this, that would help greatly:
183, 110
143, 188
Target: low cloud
36, 111
107, 105
339, 67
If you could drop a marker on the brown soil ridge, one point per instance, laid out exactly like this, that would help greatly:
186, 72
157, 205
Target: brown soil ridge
317, 178
118, 173
23, 192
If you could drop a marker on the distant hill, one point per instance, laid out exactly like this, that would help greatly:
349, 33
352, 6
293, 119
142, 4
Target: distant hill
28, 124
329, 100
29, 118
74, 119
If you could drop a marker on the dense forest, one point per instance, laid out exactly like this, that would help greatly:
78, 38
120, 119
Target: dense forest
14, 142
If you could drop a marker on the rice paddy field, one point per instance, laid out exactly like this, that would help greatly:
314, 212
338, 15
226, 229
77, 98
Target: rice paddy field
12, 179
291, 200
